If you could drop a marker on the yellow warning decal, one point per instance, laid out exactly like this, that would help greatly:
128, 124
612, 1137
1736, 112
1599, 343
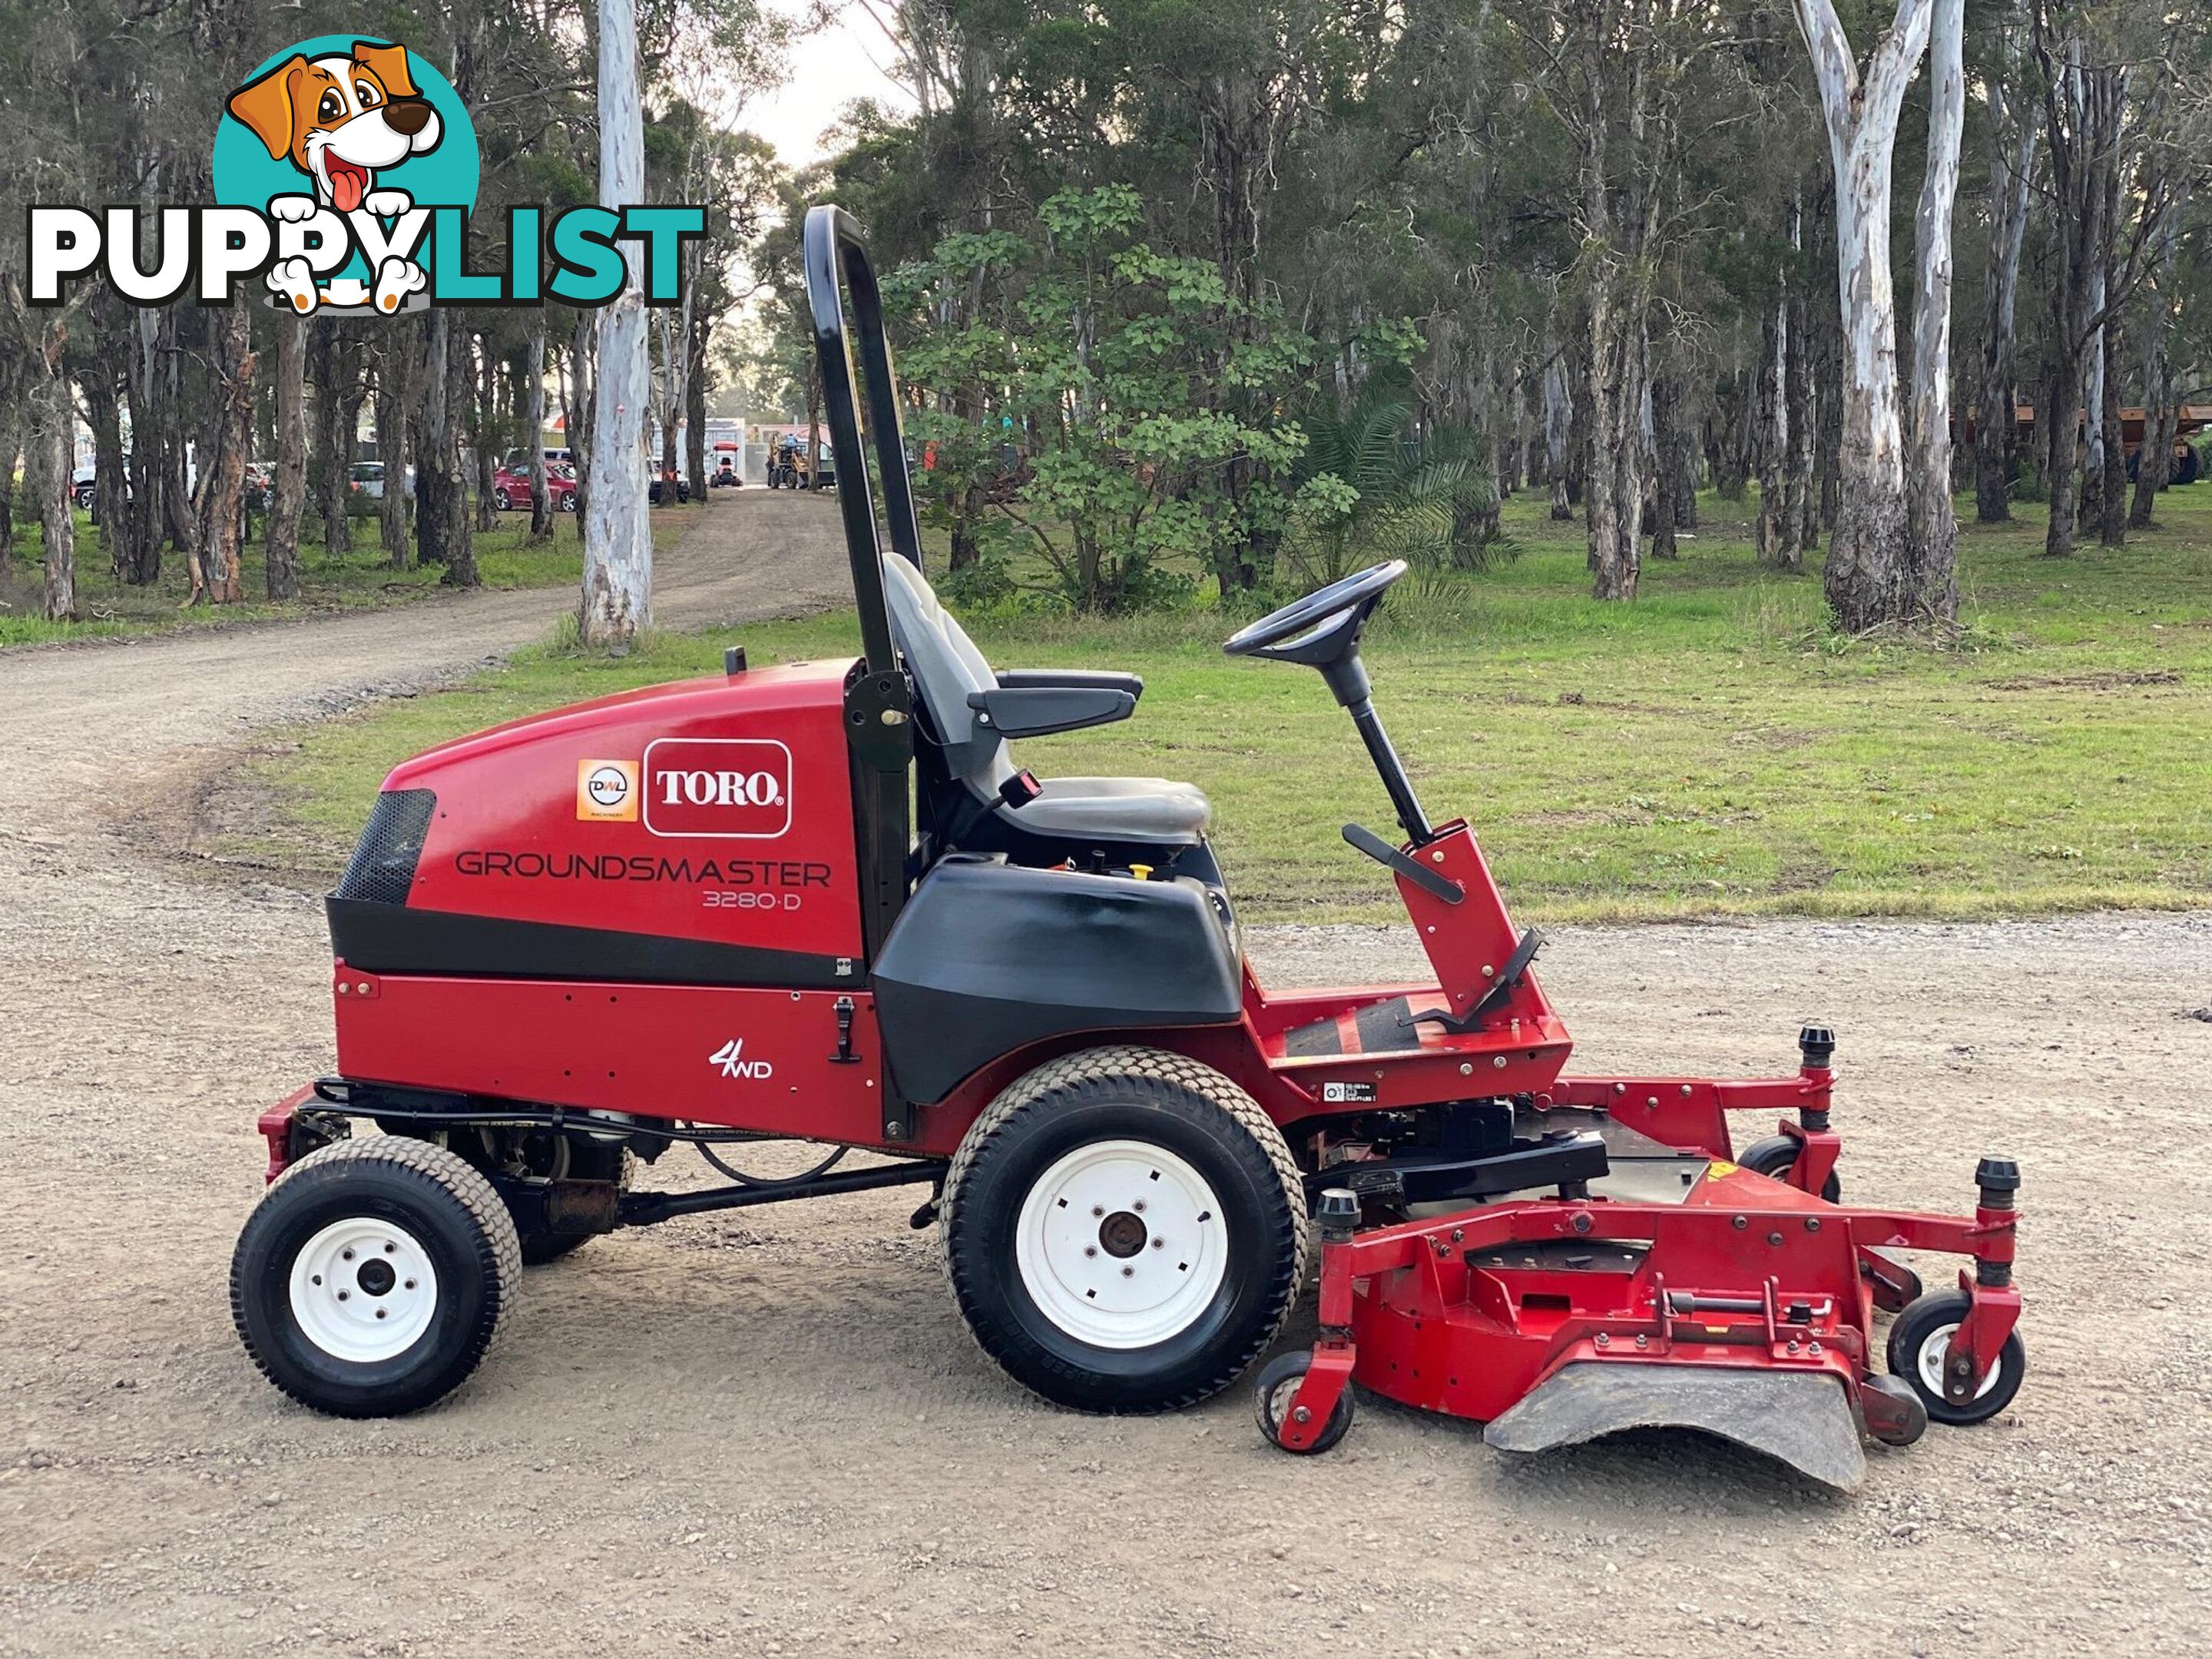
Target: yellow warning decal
1719, 1167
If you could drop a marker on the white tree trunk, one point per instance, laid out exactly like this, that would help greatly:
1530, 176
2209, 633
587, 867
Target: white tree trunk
618, 597
1869, 555
2012, 163
1935, 573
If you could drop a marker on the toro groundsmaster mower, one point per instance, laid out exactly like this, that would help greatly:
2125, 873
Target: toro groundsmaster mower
823, 901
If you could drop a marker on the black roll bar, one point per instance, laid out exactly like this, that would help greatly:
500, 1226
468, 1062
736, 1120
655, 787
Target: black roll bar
832, 247
879, 697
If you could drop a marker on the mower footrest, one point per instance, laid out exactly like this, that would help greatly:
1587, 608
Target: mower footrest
1802, 1417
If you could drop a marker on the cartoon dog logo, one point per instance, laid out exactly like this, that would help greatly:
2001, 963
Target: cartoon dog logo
337, 120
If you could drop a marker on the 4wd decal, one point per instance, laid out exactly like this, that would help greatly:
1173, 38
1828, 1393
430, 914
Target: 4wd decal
730, 1057
718, 789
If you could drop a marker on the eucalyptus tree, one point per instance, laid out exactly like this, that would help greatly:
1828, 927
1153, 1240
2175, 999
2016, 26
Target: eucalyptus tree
617, 588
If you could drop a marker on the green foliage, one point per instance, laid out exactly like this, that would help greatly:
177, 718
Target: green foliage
1073, 400
1368, 488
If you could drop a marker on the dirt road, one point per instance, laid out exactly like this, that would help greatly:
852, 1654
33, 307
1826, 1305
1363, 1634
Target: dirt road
768, 1435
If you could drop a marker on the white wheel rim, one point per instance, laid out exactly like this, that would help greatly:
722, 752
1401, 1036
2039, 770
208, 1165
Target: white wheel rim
363, 1289
1932, 1350
1121, 1244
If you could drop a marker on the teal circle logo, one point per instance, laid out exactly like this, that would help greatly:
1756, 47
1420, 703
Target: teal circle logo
348, 125
255, 164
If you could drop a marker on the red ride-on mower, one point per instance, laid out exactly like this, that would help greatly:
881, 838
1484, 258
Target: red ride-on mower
823, 901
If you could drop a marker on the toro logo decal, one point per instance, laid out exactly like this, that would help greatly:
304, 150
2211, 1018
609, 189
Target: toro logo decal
606, 791
718, 788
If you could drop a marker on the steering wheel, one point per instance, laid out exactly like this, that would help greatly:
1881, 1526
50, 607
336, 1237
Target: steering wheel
1323, 628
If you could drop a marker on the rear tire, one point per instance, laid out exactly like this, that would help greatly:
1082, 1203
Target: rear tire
373, 1276
1124, 1230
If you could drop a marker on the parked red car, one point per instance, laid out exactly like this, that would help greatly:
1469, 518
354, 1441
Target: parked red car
511, 489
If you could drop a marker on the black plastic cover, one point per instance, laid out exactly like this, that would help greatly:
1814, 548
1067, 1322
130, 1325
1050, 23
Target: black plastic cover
383, 867
1035, 711
990, 956
1099, 679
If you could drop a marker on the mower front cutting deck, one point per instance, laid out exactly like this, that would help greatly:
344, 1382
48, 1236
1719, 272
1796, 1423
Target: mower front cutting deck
1680, 1289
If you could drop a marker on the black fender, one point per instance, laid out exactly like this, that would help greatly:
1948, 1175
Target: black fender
988, 956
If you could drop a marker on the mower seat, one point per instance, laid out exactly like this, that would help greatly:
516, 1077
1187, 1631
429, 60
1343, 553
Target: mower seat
949, 670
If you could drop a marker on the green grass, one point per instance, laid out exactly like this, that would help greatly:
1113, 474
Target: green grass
1706, 752
505, 558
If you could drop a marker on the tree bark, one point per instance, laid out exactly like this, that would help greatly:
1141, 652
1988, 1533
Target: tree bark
2082, 111
11, 446
583, 361
214, 562
1667, 467
110, 480
1774, 530
332, 367
288, 493
1935, 568
618, 586
152, 330
52, 424
392, 449
534, 420
2012, 164
460, 399
695, 406
1558, 432
2113, 487
482, 383
1869, 578
2155, 459
1801, 510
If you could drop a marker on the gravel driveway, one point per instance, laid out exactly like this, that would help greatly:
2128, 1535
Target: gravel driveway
766, 1433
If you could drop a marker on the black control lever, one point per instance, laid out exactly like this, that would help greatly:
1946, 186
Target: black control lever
1517, 965
1420, 875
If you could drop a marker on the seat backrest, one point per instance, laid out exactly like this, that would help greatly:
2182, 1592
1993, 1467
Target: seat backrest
947, 667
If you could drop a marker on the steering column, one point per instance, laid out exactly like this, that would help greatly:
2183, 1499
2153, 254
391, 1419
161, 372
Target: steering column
1323, 631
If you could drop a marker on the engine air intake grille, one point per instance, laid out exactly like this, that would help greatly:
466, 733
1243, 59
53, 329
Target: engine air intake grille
383, 867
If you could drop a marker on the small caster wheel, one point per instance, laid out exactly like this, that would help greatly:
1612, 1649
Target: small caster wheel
1278, 1385
1775, 1156
1893, 1411
1916, 1345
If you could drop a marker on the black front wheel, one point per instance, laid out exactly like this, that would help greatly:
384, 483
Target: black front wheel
1918, 1342
1775, 1156
373, 1276
1124, 1230
1277, 1387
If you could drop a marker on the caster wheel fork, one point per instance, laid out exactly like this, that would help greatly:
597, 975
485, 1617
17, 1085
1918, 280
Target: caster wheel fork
1290, 1416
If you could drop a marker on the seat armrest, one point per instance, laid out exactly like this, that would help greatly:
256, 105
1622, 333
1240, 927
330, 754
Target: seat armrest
1033, 711
1035, 679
